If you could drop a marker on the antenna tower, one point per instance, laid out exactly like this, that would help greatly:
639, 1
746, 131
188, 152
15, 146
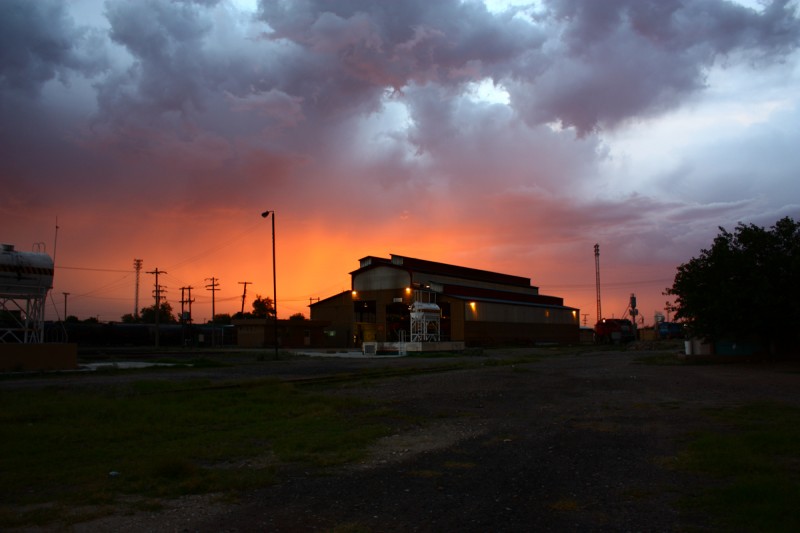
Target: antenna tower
597, 279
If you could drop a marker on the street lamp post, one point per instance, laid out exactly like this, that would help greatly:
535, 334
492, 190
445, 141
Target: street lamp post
265, 214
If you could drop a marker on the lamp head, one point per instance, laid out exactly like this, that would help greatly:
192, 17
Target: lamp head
265, 214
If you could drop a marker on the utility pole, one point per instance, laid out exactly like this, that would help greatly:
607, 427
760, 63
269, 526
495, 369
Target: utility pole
213, 287
585, 317
189, 301
244, 292
137, 266
185, 318
184, 301
157, 295
65, 305
597, 279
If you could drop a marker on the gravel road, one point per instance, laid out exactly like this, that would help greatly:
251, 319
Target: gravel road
580, 442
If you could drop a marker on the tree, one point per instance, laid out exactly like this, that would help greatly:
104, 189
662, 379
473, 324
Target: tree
222, 318
297, 316
128, 318
263, 307
165, 316
746, 287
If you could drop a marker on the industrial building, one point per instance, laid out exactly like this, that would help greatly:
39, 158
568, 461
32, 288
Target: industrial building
407, 300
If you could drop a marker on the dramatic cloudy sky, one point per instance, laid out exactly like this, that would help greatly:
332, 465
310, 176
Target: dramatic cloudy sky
505, 136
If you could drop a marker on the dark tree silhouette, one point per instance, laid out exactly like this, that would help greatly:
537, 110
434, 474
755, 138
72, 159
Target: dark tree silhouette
746, 287
165, 316
263, 307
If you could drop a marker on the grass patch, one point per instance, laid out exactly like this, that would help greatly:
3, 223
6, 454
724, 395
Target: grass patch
754, 461
565, 505
61, 447
424, 473
195, 362
438, 355
459, 465
661, 359
351, 527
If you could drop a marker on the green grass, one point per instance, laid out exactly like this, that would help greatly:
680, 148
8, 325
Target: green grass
58, 447
753, 460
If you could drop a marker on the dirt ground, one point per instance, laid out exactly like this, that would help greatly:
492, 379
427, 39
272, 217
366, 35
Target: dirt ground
581, 442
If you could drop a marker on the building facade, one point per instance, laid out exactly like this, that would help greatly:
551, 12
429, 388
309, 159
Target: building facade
400, 299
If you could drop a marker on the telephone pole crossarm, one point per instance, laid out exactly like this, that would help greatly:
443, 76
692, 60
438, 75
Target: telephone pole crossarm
213, 287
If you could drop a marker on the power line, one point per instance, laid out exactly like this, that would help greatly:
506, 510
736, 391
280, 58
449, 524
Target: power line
607, 284
110, 298
114, 284
92, 269
228, 242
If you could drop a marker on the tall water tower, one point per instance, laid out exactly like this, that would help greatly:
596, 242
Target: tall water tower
25, 279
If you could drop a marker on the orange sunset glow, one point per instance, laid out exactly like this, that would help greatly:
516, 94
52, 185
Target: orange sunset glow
500, 136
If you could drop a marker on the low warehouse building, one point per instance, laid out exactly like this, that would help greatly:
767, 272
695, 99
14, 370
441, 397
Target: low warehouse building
403, 299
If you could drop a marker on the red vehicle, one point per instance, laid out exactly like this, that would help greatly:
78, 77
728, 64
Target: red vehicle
614, 330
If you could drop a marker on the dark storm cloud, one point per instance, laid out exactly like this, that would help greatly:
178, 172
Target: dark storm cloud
292, 81
39, 42
583, 64
341, 58
619, 59
587, 65
390, 44
175, 67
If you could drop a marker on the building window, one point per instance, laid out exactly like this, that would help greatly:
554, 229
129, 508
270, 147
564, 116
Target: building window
397, 322
364, 311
